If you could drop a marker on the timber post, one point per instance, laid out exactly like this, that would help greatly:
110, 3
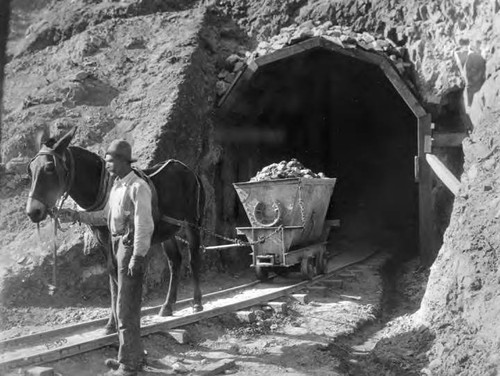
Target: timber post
425, 205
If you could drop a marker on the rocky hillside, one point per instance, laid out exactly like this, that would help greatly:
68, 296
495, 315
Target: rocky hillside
135, 70
147, 70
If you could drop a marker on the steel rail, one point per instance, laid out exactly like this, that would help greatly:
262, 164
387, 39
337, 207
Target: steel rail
74, 339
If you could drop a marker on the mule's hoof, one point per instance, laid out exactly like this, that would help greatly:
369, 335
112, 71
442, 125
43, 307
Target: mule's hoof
164, 312
197, 308
109, 329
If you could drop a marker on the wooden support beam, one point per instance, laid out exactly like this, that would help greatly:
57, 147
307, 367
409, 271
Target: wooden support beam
402, 88
230, 97
289, 51
443, 173
448, 139
425, 208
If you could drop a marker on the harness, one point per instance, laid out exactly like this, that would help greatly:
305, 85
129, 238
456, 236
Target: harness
103, 192
65, 181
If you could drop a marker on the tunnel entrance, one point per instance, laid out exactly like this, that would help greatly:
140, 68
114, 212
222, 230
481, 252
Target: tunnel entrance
338, 115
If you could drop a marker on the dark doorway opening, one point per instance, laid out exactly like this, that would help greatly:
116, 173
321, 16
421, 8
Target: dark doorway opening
340, 116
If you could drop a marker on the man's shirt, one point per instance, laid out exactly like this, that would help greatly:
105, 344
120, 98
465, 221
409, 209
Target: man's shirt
128, 211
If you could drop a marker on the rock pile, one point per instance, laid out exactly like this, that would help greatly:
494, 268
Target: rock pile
343, 36
284, 170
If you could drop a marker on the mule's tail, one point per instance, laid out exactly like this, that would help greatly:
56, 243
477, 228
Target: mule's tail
200, 204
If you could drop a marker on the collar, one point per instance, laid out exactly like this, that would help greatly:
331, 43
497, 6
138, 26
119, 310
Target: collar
126, 180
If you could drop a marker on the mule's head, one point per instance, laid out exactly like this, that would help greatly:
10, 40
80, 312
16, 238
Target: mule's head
49, 175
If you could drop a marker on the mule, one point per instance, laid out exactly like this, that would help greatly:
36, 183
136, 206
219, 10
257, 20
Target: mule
59, 170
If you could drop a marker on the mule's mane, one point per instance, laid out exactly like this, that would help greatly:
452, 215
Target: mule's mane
82, 152
90, 170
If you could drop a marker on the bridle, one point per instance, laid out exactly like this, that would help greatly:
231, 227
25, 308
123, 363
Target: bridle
66, 181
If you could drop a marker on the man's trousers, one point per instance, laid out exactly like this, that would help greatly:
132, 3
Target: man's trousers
126, 298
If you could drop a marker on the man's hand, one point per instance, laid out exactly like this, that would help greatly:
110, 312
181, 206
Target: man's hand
68, 215
136, 266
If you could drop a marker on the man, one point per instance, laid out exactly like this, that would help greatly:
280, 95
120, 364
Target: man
130, 221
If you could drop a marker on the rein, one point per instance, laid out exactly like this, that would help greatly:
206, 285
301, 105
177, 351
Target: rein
67, 183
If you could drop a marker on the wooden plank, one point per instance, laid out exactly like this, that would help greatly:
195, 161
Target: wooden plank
98, 323
425, 208
40, 371
286, 52
443, 173
233, 84
92, 341
411, 101
185, 320
386, 66
351, 52
231, 96
449, 140
319, 42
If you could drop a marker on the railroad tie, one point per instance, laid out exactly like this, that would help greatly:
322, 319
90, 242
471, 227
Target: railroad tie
40, 371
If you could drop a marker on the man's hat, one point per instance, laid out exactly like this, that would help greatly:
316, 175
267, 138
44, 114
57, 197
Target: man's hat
121, 149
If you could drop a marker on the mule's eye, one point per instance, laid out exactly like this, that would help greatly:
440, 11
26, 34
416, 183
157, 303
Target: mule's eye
50, 168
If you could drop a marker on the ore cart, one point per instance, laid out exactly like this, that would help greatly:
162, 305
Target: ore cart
287, 218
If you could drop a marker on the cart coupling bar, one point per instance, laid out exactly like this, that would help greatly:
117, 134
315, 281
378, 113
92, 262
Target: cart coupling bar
224, 246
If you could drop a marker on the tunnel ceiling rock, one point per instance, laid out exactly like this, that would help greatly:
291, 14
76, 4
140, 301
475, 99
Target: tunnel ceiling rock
342, 36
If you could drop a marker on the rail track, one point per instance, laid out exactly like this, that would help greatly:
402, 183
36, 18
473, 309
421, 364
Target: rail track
78, 338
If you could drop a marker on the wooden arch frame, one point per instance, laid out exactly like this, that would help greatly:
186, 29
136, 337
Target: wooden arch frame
423, 172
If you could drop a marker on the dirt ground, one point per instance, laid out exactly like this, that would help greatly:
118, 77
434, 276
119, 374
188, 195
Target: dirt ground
361, 328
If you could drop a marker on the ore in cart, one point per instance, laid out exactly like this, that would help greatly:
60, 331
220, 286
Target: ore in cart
287, 218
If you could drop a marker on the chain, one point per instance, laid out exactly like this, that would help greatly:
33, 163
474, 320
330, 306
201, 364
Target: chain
260, 240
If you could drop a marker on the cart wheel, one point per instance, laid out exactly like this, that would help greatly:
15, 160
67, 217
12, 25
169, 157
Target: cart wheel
261, 273
308, 267
321, 263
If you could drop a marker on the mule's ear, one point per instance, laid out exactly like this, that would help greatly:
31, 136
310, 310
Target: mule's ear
65, 140
41, 138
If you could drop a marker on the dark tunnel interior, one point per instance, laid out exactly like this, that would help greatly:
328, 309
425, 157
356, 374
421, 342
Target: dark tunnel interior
340, 116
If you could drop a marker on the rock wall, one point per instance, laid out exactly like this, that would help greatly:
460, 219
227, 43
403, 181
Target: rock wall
453, 47
146, 75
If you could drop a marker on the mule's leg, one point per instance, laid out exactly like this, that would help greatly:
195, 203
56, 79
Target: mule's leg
174, 262
193, 237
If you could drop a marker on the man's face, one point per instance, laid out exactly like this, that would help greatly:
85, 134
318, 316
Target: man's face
114, 165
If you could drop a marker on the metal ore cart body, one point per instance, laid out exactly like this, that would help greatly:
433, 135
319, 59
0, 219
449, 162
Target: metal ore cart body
287, 218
